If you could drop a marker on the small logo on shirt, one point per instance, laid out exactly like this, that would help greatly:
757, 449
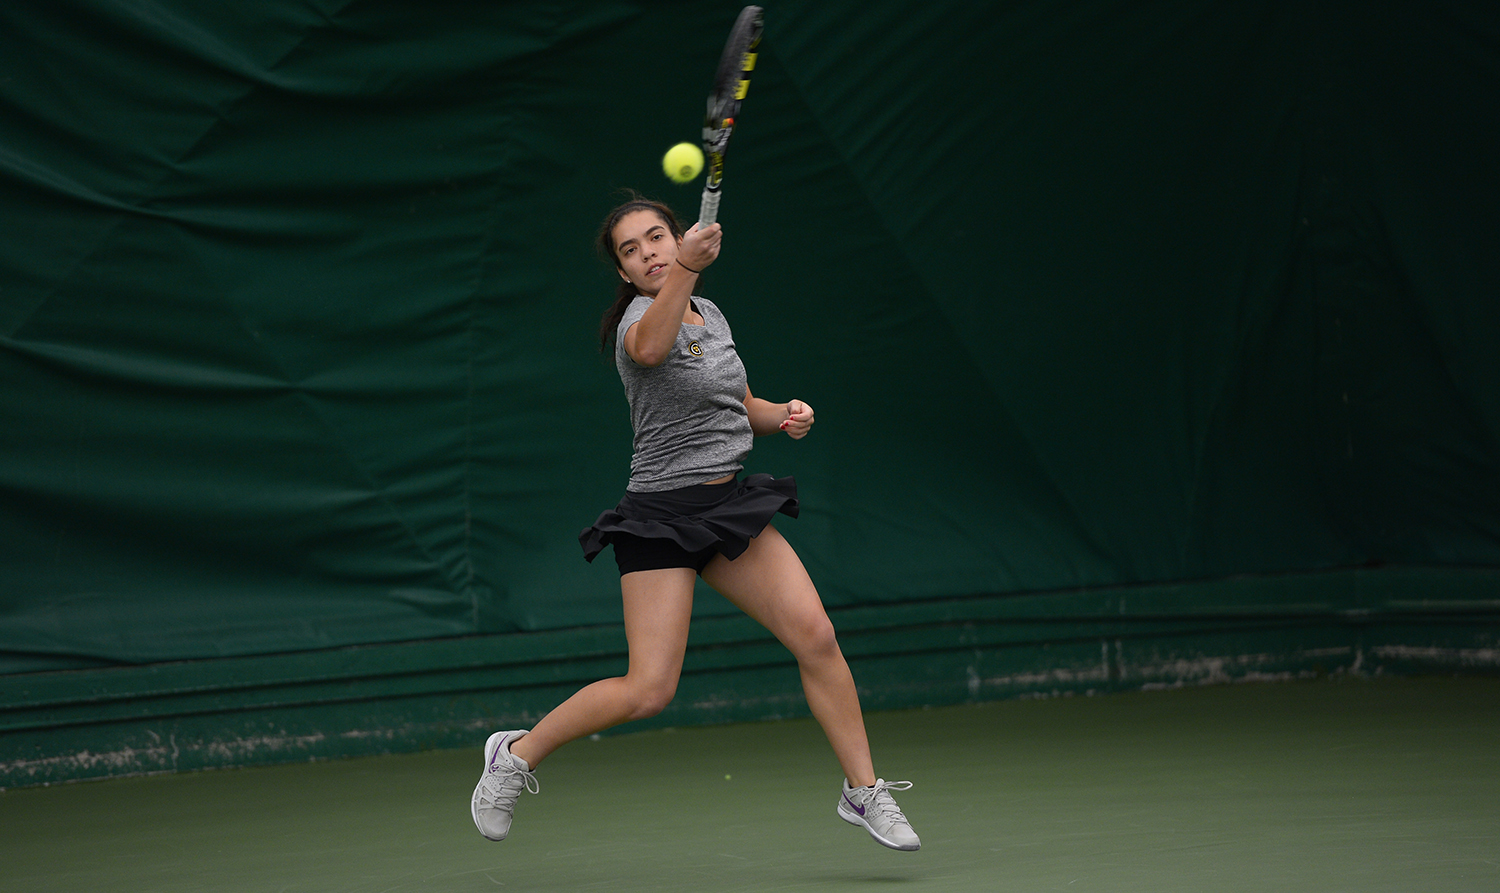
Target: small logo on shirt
695, 349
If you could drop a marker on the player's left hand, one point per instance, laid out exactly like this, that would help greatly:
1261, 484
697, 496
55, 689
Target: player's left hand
799, 420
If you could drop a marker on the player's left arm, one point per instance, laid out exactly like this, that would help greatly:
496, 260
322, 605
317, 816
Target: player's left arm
794, 417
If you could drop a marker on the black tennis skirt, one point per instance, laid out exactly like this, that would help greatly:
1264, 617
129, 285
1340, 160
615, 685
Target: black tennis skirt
718, 516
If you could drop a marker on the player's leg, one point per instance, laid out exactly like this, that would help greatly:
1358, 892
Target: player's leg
769, 583
658, 607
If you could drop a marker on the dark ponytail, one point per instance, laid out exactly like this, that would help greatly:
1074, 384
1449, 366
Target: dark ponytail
626, 291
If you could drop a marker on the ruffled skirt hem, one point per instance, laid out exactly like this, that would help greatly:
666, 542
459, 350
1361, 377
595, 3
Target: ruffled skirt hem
723, 516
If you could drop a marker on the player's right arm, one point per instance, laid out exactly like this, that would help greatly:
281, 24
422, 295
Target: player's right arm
650, 341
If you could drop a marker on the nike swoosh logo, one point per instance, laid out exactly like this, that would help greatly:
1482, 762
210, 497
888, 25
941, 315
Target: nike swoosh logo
852, 805
497, 751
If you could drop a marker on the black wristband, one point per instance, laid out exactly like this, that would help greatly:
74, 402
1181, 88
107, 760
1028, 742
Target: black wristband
686, 267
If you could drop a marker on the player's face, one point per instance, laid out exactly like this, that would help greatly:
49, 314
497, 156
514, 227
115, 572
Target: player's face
644, 249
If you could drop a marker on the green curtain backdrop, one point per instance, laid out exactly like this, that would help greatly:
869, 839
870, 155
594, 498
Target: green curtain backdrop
297, 301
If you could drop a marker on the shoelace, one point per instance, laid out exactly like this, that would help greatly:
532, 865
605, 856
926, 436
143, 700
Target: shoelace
503, 784
882, 801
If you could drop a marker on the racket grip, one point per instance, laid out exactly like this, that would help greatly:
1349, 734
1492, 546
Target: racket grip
709, 212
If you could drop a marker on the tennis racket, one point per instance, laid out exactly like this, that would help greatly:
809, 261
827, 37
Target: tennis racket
731, 83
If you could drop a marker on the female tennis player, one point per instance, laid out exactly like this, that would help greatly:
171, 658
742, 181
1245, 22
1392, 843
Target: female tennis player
686, 512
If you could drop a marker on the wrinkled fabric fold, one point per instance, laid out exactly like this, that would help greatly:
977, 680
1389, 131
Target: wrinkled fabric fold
723, 516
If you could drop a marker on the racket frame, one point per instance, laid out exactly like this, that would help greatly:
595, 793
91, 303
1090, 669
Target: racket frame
731, 83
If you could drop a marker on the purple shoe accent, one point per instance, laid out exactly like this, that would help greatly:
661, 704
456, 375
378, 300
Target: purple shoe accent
498, 747
854, 806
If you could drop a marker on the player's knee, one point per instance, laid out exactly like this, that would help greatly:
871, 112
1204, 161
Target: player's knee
652, 698
816, 639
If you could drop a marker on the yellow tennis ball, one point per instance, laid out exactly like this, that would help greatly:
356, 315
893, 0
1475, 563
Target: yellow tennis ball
682, 162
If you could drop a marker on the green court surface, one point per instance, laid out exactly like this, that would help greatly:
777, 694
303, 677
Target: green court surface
1347, 784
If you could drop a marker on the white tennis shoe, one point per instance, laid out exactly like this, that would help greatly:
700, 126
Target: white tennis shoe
874, 809
505, 776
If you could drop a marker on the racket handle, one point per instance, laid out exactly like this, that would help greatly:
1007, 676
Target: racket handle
709, 212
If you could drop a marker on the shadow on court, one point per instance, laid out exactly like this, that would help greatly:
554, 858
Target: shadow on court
1387, 785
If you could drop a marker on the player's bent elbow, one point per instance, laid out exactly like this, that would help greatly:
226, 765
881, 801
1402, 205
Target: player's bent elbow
648, 358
